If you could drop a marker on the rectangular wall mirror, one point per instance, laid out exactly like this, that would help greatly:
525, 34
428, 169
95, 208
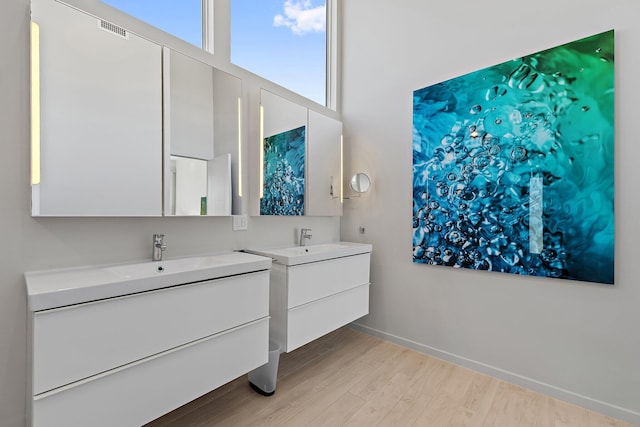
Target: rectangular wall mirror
202, 138
283, 155
300, 159
96, 116
325, 181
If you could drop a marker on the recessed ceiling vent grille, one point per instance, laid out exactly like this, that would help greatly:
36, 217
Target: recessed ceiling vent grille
112, 28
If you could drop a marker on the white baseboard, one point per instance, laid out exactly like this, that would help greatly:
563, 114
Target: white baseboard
513, 378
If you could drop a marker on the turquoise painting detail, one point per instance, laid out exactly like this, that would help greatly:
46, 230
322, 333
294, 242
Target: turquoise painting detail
284, 159
513, 166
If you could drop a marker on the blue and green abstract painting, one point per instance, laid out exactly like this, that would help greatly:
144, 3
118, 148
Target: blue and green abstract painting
284, 159
513, 166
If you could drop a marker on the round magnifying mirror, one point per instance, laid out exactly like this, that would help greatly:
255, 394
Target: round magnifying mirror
360, 182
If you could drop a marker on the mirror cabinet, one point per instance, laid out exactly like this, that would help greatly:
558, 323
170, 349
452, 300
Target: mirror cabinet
124, 126
300, 159
283, 155
201, 137
96, 118
325, 166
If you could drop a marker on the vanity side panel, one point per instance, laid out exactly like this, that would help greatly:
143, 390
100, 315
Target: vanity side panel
29, 405
140, 392
78, 341
312, 281
278, 305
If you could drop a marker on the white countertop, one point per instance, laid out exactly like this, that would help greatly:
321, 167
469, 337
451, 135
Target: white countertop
294, 255
48, 289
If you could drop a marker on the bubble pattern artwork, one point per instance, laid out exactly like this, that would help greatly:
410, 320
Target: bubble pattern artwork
513, 166
284, 160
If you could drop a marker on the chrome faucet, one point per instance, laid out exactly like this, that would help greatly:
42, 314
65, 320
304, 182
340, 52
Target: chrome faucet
305, 233
158, 247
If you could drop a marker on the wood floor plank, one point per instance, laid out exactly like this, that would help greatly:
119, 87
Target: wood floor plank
338, 413
406, 411
599, 420
457, 382
536, 411
380, 401
301, 390
463, 417
310, 406
348, 378
439, 412
567, 415
507, 406
480, 393
399, 361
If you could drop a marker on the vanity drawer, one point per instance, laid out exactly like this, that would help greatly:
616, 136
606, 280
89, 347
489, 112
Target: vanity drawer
315, 280
140, 392
75, 342
311, 321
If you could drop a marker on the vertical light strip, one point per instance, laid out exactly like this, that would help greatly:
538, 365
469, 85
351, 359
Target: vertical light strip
35, 103
341, 168
535, 215
239, 147
261, 151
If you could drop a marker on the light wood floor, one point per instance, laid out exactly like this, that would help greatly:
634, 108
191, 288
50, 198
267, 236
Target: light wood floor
348, 378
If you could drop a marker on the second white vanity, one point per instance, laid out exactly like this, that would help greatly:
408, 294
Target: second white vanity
121, 345
316, 289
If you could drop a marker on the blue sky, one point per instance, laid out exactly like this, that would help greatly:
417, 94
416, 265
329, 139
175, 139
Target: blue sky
292, 54
281, 40
181, 18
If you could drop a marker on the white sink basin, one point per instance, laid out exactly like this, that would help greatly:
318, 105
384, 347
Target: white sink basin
294, 255
56, 288
170, 266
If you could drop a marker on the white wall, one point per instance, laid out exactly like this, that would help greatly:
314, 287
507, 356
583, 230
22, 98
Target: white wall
574, 340
40, 243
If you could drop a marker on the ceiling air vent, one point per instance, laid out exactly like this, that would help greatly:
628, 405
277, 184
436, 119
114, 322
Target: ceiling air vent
112, 28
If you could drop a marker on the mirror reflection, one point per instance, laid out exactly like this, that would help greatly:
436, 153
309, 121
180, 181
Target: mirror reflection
200, 187
202, 139
300, 160
283, 153
188, 186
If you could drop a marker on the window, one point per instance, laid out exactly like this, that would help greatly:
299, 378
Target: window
289, 42
284, 41
182, 19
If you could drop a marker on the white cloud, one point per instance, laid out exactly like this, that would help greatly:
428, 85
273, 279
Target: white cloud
301, 17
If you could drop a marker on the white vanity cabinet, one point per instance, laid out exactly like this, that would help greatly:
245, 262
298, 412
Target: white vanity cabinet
316, 289
128, 359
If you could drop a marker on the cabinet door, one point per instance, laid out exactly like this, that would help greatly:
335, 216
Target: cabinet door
310, 321
101, 117
324, 170
227, 109
201, 137
139, 392
283, 156
191, 106
316, 280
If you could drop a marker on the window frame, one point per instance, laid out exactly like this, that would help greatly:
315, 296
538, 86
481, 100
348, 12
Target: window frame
216, 40
332, 53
